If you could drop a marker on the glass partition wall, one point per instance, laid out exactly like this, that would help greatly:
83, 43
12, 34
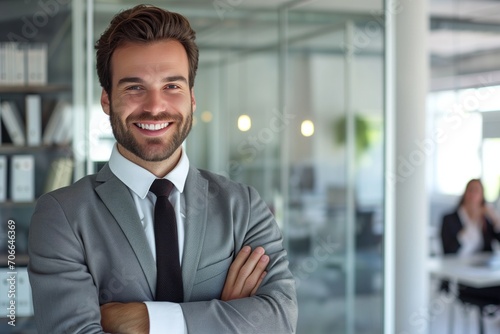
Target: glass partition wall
290, 100
334, 192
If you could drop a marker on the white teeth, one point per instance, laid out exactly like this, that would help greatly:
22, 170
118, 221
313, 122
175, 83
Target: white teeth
152, 127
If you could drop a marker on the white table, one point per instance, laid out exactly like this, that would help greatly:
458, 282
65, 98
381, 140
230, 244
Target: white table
477, 271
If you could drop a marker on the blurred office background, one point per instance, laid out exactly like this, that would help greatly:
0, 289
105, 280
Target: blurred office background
313, 103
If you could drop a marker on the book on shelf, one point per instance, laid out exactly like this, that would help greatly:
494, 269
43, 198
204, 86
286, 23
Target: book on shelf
36, 64
3, 178
3, 64
33, 120
24, 299
23, 63
59, 128
13, 63
22, 188
11, 118
60, 174
19, 54
64, 134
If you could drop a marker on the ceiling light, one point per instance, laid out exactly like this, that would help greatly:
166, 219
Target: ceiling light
307, 128
244, 123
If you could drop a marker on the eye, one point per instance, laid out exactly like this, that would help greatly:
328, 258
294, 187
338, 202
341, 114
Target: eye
136, 87
171, 86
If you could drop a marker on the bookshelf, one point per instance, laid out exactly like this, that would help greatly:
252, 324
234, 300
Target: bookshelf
38, 73
35, 89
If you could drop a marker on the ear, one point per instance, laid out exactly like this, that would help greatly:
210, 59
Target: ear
105, 103
193, 100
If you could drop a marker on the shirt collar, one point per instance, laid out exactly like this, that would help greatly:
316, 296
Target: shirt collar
139, 180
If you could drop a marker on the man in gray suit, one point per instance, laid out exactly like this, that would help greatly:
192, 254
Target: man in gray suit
92, 245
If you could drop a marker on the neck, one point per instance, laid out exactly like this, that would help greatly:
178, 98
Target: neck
158, 168
473, 211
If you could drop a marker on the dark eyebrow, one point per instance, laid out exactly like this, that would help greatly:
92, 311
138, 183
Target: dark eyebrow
139, 80
130, 80
175, 78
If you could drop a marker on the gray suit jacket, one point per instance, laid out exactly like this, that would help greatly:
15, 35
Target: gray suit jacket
87, 247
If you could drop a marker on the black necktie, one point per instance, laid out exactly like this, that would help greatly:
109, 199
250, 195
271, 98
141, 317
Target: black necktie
169, 277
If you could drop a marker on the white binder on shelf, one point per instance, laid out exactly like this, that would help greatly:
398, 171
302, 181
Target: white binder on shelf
24, 299
10, 60
36, 64
3, 178
4, 288
13, 122
33, 120
64, 133
22, 170
59, 128
1, 117
3, 64
19, 64
31, 64
43, 64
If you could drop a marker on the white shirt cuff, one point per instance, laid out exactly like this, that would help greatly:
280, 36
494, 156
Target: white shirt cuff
165, 317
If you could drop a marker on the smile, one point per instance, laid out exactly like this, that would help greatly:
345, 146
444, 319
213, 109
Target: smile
152, 127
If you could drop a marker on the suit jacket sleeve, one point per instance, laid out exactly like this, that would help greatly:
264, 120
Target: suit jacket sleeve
274, 307
450, 228
64, 294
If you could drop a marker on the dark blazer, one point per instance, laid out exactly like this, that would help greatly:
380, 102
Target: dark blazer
452, 225
87, 247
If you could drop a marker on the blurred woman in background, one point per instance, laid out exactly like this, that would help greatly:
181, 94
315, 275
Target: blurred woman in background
473, 226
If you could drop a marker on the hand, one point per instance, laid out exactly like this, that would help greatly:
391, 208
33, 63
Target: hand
245, 274
490, 213
125, 318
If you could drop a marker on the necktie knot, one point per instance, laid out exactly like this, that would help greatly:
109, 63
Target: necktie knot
161, 187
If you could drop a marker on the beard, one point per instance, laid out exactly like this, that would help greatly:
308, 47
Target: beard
153, 149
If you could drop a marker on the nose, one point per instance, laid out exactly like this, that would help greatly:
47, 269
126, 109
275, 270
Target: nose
155, 102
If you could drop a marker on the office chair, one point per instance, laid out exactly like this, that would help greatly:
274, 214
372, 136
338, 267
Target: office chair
469, 298
487, 305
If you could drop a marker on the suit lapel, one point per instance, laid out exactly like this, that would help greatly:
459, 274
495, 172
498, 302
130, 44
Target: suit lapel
196, 197
123, 210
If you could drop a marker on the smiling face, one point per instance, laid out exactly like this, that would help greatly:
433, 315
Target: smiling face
151, 105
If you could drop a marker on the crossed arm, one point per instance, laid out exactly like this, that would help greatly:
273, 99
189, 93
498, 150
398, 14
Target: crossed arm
77, 266
244, 277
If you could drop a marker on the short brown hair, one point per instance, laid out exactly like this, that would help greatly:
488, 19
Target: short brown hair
144, 24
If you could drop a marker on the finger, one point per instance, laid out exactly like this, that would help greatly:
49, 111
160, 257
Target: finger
234, 270
261, 278
238, 263
248, 268
252, 281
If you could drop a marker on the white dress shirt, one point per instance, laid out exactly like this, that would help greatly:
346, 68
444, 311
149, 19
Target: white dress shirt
471, 235
162, 315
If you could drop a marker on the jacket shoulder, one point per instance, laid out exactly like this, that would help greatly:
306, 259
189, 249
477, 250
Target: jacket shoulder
224, 184
452, 220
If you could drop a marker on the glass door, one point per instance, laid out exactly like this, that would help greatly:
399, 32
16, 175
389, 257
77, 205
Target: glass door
333, 161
